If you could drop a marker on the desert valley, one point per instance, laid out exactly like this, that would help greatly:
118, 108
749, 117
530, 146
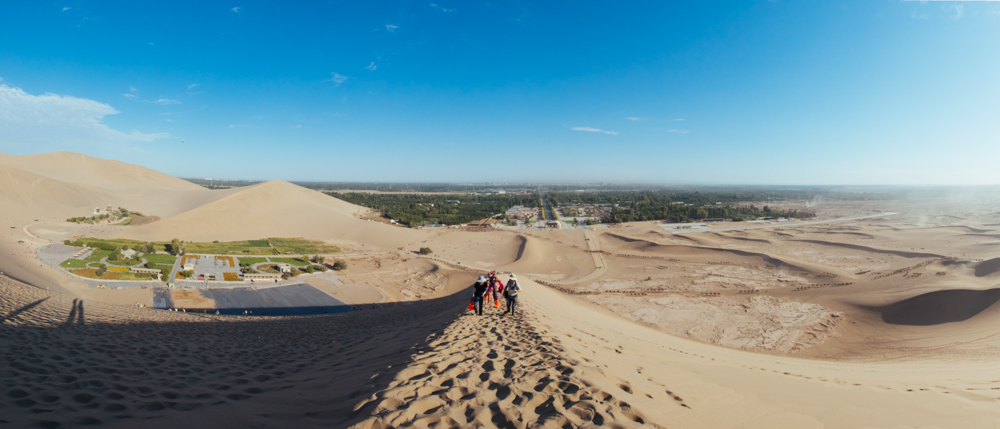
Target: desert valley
882, 315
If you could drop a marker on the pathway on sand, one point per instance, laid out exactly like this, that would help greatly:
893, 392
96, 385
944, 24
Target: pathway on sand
500, 371
772, 225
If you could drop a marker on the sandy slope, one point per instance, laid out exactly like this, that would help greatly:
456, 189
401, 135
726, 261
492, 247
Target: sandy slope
564, 361
71, 167
275, 209
914, 343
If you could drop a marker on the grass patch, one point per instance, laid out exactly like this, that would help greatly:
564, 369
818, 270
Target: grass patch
251, 261
299, 262
73, 263
127, 221
112, 244
270, 246
97, 255
301, 246
245, 247
110, 275
134, 276
127, 262
160, 259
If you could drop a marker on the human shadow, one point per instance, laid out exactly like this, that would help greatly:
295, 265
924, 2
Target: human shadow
935, 308
338, 360
27, 307
75, 314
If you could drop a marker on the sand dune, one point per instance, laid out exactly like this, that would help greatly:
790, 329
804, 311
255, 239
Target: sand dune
988, 267
275, 209
884, 333
77, 168
25, 194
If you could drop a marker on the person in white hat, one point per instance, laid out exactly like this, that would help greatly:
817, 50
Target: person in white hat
511, 292
479, 289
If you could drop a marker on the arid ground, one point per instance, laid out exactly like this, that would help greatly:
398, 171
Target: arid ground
884, 322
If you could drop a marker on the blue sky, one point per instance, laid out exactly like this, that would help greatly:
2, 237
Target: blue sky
748, 92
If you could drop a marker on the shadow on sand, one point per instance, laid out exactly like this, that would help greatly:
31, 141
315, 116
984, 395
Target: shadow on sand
935, 308
204, 370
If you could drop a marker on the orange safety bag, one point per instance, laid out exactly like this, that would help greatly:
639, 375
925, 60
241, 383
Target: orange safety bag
496, 303
472, 306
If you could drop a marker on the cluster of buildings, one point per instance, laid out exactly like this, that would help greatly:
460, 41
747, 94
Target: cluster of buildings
522, 213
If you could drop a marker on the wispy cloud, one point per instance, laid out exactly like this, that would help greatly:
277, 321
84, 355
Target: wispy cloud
297, 126
679, 119
336, 78
441, 8
372, 66
192, 85
959, 10
594, 130
167, 101
130, 95
66, 8
633, 118
391, 28
236, 9
132, 92
678, 131
39, 120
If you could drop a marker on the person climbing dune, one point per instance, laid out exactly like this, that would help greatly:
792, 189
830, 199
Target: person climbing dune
511, 293
479, 289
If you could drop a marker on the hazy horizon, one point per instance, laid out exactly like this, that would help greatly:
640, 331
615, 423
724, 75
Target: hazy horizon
759, 93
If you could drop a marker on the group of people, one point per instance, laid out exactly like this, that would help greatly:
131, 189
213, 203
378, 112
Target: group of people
490, 288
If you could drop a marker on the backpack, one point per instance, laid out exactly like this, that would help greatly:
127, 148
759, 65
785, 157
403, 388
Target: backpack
512, 289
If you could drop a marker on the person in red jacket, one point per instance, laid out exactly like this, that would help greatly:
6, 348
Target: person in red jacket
495, 289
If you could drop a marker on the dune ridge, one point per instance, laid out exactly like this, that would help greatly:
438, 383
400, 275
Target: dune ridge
72, 167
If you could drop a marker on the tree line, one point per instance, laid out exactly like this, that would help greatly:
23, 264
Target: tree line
448, 209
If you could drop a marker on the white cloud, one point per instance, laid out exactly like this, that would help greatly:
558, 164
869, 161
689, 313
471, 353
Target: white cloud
130, 95
236, 9
633, 118
680, 119
959, 9
167, 101
593, 130
372, 66
336, 78
66, 8
192, 85
678, 131
442, 8
51, 121
391, 28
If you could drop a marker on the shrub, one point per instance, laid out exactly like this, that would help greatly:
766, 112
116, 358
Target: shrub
310, 269
101, 270
425, 251
340, 265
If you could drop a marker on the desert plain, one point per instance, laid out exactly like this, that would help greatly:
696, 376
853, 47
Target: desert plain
882, 316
